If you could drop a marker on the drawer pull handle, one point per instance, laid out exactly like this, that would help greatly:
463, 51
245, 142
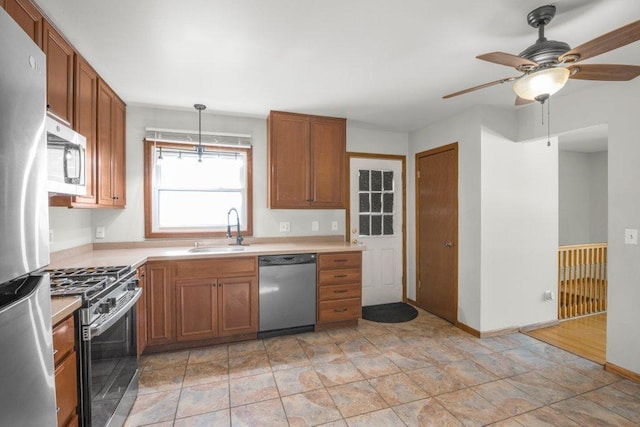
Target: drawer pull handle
54, 351
340, 260
341, 291
338, 276
57, 409
340, 310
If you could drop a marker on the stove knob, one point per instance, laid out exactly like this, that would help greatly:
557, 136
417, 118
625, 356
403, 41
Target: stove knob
104, 307
112, 302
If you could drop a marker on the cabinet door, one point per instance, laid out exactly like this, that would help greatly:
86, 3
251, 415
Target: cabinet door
288, 151
85, 121
328, 151
196, 309
27, 16
141, 310
118, 158
238, 305
59, 73
105, 98
160, 304
66, 389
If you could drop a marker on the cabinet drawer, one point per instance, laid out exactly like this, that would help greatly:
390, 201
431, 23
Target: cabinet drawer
63, 339
217, 267
330, 277
327, 293
66, 389
340, 260
335, 311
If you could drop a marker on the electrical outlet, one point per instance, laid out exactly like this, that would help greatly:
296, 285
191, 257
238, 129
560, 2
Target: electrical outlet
315, 226
285, 226
631, 236
548, 296
100, 232
334, 225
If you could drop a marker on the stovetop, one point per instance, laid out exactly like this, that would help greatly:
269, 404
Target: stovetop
85, 281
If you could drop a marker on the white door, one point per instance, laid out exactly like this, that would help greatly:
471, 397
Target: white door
376, 222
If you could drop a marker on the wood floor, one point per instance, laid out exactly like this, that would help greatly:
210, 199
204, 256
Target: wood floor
584, 336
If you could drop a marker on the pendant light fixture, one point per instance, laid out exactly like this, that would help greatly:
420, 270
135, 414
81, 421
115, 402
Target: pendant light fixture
199, 148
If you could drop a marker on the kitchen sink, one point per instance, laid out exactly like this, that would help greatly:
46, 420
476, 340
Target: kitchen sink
216, 249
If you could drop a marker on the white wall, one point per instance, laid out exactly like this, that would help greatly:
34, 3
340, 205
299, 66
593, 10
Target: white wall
519, 231
464, 129
598, 182
615, 104
128, 224
583, 197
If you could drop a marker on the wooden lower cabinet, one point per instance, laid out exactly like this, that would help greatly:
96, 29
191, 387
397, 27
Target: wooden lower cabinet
66, 372
160, 304
339, 288
200, 300
238, 305
196, 308
141, 310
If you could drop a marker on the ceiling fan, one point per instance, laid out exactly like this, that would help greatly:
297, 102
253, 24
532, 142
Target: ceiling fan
548, 64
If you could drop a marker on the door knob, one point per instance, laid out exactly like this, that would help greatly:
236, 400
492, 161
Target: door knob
448, 244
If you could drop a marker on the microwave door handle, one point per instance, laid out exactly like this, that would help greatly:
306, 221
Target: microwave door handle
97, 330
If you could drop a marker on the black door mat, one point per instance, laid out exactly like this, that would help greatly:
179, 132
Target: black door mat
395, 312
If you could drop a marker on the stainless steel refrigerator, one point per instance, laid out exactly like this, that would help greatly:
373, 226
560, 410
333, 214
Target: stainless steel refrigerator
27, 389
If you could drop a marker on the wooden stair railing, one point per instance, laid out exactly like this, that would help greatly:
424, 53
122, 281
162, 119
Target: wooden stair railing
582, 280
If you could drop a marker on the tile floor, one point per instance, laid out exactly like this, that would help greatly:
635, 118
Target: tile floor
423, 372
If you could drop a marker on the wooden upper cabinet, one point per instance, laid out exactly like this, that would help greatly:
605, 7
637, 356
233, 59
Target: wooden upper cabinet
328, 148
60, 67
306, 160
27, 15
111, 160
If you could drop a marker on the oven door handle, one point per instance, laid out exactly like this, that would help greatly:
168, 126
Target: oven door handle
97, 330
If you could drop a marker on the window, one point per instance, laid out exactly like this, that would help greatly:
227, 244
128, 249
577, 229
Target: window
376, 202
189, 195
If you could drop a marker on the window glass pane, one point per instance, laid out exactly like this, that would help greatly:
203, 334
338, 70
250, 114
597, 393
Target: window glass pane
387, 225
376, 202
376, 225
364, 202
196, 209
376, 180
387, 202
363, 180
364, 225
185, 172
387, 179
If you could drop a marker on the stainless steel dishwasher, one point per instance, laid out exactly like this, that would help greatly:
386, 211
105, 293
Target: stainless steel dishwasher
287, 294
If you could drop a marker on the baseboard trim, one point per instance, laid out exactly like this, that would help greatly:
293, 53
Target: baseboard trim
410, 301
468, 329
534, 326
499, 332
630, 375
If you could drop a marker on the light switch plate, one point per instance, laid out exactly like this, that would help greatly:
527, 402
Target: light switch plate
631, 236
99, 232
315, 226
334, 225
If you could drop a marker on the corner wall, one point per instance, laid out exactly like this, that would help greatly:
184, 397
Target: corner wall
615, 104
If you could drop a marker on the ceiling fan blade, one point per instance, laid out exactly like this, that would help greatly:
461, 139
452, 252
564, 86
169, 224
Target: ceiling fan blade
604, 72
522, 101
506, 59
471, 89
606, 42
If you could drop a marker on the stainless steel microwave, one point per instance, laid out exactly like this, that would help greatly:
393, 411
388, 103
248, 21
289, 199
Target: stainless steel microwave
66, 156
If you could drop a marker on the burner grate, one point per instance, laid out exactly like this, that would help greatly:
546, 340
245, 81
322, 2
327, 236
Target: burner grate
114, 271
73, 286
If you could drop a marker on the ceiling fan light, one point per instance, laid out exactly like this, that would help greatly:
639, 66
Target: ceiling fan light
536, 85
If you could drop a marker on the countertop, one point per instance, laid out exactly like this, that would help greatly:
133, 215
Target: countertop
61, 307
138, 256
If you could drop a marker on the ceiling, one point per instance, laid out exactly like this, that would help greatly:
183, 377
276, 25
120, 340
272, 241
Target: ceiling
382, 63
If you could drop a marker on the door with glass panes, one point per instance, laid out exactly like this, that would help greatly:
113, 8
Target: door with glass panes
376, 222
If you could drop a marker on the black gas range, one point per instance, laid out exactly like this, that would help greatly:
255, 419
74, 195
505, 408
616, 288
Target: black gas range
108, 356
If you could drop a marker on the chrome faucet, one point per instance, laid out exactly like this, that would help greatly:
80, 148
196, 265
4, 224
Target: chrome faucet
239, 237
